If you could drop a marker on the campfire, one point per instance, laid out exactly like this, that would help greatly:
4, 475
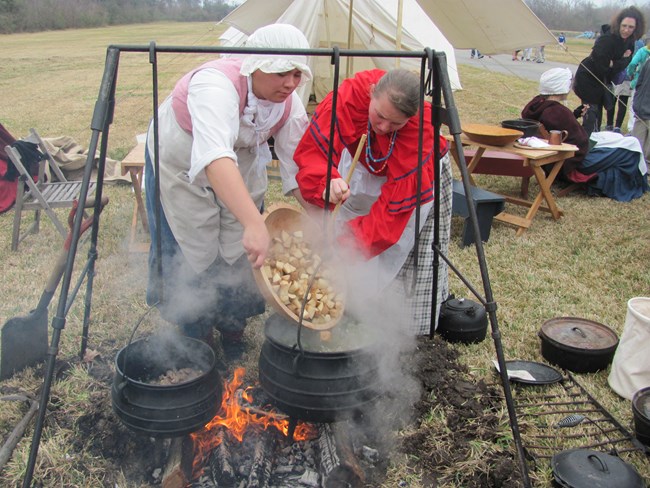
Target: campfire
249, 443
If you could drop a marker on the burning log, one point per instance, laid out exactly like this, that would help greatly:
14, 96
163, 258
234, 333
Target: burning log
220, 462
339, 465
262, 466
179, 462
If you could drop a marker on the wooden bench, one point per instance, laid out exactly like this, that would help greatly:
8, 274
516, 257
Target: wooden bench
487, 205
501, 164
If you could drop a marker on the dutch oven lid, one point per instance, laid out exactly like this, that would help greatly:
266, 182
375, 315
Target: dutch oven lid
578, 468
579, 333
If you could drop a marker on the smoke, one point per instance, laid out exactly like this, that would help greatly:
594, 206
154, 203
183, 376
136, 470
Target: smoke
386, 321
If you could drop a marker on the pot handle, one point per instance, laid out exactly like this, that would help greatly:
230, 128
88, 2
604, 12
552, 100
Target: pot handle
295, 364
579, 331
603, 465
121, 392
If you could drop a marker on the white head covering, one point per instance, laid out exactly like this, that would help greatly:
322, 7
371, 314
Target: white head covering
277, 36
555, 81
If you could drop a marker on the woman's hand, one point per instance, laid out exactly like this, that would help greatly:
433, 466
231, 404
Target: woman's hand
339, 191
256, 242
627, 54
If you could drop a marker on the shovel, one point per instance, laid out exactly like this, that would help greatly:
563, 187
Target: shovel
25, 339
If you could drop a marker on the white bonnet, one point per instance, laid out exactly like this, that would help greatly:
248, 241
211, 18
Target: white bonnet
277, 36
555, 81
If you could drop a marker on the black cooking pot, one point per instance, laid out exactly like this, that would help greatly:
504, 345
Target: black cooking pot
529, 127
579, 345
165, 410
584, 468
641, 412
316, 380
462, 320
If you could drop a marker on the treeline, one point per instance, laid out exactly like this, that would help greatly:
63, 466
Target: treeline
40, 15
580, 15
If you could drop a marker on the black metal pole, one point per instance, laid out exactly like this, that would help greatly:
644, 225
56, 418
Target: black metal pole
490, 304
92, 251
436, 120
153, 59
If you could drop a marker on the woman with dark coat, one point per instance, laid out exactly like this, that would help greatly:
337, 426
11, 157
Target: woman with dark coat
610, 54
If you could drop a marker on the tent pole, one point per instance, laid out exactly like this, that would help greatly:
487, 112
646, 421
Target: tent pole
348, 69
398, 35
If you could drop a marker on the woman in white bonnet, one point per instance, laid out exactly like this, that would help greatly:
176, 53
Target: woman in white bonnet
213, 152
612, 168
549, 108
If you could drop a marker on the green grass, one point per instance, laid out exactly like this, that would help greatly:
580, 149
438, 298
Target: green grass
587, 264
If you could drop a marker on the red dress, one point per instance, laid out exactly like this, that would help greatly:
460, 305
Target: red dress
383, 225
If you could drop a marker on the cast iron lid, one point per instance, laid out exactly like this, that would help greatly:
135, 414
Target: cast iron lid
461, 305
578, 468
348, 336
579, 334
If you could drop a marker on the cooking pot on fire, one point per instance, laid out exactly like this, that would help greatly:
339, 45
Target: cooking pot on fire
318, 380
185, 400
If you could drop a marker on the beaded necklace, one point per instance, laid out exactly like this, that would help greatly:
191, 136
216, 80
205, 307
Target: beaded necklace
371, 160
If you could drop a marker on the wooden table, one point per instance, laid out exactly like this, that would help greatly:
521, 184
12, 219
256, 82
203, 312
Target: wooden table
133, 163
536, 159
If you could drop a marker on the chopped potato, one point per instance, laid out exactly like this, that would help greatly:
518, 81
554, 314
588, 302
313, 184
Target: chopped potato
289, 269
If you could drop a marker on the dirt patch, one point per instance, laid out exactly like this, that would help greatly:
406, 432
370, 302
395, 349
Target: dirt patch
447, 450
442, 451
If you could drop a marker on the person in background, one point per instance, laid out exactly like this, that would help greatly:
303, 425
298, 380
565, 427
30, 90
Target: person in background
476, 53
641, 104
548, 108
540, 57
377, 217
633, 69
213, 154
562, 40
621, 90
611, 54
611, 167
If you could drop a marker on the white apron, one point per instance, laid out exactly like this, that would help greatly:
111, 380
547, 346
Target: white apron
378, 272
195, 215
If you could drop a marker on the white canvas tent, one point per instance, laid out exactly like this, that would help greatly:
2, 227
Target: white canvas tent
492, 26
376, 25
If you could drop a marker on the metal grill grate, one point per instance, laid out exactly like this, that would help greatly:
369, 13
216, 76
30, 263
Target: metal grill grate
566, 416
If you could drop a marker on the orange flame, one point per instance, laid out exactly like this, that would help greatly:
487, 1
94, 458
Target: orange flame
238, 421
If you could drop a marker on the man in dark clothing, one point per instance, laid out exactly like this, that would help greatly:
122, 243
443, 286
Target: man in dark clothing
548, 108
610, 54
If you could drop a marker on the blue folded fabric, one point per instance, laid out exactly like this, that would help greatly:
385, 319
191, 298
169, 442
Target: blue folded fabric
618, 174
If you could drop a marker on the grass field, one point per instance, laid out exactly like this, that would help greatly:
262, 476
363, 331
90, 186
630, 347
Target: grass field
588, 264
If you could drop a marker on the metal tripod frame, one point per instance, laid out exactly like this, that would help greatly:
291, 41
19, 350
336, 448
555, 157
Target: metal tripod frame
432, 63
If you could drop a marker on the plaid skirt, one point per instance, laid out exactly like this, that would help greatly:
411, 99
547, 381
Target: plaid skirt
417, 296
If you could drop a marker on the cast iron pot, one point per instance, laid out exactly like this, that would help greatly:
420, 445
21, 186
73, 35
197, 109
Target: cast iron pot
641, 411
165, 410
584, 468
579, 345
529, 127
462, 320
322, 382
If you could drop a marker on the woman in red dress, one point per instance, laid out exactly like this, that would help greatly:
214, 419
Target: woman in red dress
377, 216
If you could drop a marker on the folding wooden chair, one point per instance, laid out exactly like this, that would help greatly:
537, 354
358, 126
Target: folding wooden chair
41, 195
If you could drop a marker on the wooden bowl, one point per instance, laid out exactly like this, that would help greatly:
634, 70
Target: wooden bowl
288, 219
491, 135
